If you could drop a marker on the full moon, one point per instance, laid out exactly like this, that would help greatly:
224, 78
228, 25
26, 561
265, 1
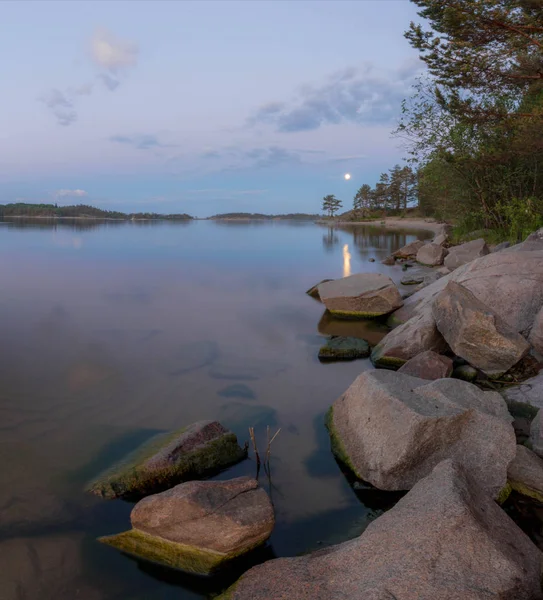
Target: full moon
347, 176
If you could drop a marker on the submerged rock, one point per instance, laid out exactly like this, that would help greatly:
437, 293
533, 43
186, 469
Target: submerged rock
198, 526
409, 251
344, 348
392, 429
360, 296
431, 255
195, 451
314, 291
418, 335
465, 253
428, 365
389, 261
525, 474
475, 333
445, 540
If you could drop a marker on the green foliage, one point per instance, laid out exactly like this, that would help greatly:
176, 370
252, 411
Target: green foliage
331, 204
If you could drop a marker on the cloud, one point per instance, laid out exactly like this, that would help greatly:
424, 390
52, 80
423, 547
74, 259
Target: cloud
357, 94
111, 82
61, 106
112, 53
70, 193
141, 142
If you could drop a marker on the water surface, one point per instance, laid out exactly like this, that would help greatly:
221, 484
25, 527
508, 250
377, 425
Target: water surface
113, 331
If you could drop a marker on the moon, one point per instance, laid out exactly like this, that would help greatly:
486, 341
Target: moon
347, 176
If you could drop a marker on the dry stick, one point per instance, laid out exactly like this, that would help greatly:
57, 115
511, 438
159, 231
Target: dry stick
268, 449
253, 439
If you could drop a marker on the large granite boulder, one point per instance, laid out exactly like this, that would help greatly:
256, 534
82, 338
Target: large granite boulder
431, 255
509, 282
198, 526
360, 296
196, 451
428, 365
525, 474
392, 429
526, 397
409, 251
440, 239
445, 540
536, 434
536, 335
465, 253
418, 335
475, 333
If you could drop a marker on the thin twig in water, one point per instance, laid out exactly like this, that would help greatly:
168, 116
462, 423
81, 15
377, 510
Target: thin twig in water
268, 449
253, 439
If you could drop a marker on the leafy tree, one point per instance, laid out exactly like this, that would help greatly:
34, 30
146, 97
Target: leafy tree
331, 204
362, 199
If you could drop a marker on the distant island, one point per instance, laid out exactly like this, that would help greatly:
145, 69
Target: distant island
258, 216
80, 211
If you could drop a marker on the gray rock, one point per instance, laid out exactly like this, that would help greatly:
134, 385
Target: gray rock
409, 251
195, 451
440, 239
392, 429
460, 255
389, 261
536, 434
529, 393
443, 271
428, 365
536, 335
412, 279
502, 246
445, 540
314, 290
406, 341
200, 525
431, 255
475, 333
360, 296
344, 348
525, 474
465, 372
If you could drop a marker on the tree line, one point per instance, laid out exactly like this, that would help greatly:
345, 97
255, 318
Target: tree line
22, 209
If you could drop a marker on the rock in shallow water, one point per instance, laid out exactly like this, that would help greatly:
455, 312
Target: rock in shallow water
392, 429
445, 540
360, 296
431, 255
198, 526
192, 452
344, 348
428, 365
475, 333
409, 250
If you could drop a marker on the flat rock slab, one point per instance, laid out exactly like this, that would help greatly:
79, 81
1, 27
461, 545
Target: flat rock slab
525, 474
475, 333
344, 348
465, 253
428, 365
431, 255
314, 290
361, 296
392, 429
198, 526
409, 251
195, 451
445, 540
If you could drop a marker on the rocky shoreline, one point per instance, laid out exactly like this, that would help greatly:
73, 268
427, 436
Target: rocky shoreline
450, 415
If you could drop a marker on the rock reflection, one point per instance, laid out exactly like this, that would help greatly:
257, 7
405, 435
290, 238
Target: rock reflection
373, 331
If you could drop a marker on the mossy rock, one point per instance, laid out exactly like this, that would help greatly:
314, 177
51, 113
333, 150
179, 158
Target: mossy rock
527, 491
193, 452
354, 315
521, 410
465, 372
386, 362
344, 348
504, 494
336, 445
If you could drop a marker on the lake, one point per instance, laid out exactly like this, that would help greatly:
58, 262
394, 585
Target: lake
113, 331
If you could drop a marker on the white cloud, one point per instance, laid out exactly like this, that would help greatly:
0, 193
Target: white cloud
70, 193
112, 53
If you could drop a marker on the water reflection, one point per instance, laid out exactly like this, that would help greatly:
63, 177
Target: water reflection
346, 261
373, 330
330, 239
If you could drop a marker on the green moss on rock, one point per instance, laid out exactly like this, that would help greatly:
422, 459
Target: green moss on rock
521, 410
386, 362
337, 447
354, 315
527, 491
344, 348
504, 493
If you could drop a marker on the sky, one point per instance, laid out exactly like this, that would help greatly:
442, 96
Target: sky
201, 107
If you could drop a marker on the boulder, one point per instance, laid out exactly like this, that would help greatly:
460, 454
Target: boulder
440, 239
526, 397
412, 279
525, 474
389, 261
536, 335
418, 335
360, 296
502, 246
443, 271
431, 255
428, 365
409, 251
392, 429
196, 451
534, 242
344, 348
314, 290
445, 540
465, 253
198, 526
475, 333
465, 372
536, 434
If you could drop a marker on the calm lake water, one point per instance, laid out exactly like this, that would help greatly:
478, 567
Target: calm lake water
111, 332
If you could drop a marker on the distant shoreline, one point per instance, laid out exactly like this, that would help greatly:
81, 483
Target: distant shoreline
392, 223
57, 218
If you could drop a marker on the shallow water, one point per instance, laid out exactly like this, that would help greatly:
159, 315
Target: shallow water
111, 332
